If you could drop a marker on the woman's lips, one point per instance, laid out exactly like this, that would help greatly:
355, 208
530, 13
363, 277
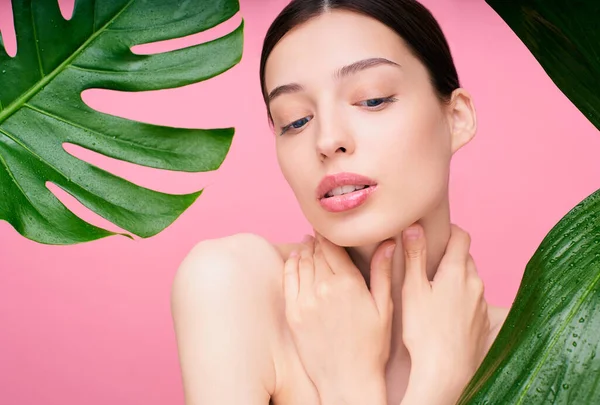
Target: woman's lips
345, 202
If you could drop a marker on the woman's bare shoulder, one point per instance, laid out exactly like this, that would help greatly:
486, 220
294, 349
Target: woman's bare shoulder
241, 260
242, 272
226, 305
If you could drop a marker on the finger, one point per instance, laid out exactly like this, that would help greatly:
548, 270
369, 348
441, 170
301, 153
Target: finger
415, 255
471, 267
381, 276
337, 258
322, 269
306, 271
290, 278
457, 249
473, 276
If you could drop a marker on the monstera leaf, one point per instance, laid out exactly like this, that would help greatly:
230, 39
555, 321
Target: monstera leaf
41, 109
548, 351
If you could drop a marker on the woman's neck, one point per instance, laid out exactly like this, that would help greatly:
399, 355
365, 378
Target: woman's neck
437, 233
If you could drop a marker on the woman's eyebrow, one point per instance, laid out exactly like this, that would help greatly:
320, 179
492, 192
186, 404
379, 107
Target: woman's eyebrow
362, 65
284, 89
344, 71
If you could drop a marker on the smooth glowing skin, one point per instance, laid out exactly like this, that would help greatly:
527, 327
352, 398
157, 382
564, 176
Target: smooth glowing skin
405, 146
227, 302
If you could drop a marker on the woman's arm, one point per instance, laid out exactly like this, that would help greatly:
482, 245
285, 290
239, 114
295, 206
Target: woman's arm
220, 317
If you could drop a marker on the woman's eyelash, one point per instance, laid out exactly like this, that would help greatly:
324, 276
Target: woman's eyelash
289, 126
382, 100
302, 121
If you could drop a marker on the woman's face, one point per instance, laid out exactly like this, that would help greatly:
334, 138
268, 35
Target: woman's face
379, 119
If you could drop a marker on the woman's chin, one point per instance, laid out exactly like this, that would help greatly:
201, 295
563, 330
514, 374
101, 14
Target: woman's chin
363, 235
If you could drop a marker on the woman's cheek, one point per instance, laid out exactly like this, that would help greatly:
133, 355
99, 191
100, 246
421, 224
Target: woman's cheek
293, 167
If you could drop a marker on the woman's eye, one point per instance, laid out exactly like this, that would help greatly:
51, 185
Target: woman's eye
295, 125
299, 123
376, 102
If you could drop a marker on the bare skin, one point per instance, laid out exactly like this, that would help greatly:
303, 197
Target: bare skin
233, 338
228, 304
399, 367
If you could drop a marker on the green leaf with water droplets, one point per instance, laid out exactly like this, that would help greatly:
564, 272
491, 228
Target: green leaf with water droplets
41, 109
548, 350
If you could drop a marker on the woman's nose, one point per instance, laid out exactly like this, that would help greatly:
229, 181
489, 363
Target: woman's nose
333, 141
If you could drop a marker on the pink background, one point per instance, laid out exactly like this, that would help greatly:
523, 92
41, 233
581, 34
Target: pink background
91, 324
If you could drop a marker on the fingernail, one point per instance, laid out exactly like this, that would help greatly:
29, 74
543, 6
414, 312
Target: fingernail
412, 232
294, 253
389, 252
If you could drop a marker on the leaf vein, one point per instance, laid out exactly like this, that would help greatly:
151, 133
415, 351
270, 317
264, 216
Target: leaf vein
16, 182
16, 140
37, 45
18, 103
58, 171
180, 66
159, 26
108, 71
94, 17
76, 125
595, 384
555, 339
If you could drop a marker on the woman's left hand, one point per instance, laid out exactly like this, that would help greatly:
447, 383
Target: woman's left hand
341, 330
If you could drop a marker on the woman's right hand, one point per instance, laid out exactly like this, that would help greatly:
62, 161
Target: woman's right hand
445, 321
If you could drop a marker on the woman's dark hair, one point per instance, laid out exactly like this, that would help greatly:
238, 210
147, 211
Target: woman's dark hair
408, 18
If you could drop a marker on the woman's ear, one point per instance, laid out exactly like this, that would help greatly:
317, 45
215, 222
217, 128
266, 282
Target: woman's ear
461, 118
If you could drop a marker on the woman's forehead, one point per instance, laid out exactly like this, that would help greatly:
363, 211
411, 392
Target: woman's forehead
323, 45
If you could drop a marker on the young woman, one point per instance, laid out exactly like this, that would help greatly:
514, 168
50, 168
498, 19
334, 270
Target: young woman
383, 305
